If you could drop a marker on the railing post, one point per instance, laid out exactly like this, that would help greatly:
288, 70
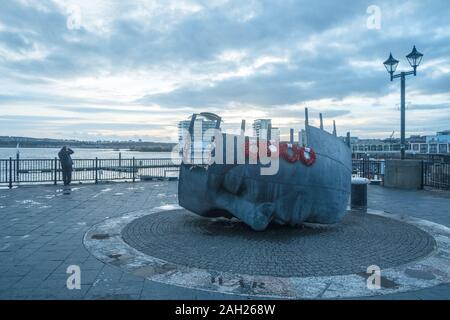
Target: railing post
422, 182
10, 172
134, 168
55, 167
96, 170
364, 165
17, 166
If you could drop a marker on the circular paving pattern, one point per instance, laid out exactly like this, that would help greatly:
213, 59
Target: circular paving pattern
172, 246
359, 241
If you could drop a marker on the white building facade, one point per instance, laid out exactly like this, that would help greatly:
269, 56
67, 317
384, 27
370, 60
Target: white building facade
437, 144
200, 141
261, 128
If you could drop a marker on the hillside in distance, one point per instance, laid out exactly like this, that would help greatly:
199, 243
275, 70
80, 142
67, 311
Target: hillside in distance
27, 142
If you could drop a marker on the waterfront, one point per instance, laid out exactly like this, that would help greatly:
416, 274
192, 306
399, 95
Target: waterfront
80, 153
48, 170
86, 170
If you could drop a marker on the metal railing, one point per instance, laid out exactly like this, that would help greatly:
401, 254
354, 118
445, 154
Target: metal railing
370, 169
436, 174
29, 171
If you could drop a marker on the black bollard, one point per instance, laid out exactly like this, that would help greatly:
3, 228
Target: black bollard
359, 192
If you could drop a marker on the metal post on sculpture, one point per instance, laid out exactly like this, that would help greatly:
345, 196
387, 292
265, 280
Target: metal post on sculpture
306, 117
243, 127
414, 59
304, 132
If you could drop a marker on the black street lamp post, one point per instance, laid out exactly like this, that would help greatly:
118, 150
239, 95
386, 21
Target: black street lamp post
414, 59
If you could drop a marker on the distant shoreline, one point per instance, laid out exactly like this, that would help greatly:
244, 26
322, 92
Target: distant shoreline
139, 146
93, 148
155, 150
130, 145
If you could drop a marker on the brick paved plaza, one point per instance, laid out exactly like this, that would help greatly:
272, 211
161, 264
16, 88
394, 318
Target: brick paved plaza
42, 230
280, 251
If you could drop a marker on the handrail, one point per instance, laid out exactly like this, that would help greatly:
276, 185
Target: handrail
84, 170
435, 174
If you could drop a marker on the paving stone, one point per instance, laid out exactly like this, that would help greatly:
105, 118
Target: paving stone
183, 238
37, 244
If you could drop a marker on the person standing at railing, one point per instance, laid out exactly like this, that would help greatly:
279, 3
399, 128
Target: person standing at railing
66, 164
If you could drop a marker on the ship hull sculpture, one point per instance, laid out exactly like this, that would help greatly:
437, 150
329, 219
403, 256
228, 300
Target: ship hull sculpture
312, 184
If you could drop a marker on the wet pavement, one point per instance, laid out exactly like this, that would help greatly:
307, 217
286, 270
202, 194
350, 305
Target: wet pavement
42, 230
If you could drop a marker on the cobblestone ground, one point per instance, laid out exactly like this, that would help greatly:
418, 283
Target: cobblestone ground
358, 241
41, 233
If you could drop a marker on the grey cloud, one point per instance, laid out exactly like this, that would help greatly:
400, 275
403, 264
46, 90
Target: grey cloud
274, 89
48, 99
99, 110
112, 126
35, 118
300, 112
193, 42
429, 106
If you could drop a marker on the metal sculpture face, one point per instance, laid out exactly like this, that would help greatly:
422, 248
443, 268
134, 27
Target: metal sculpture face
310, 185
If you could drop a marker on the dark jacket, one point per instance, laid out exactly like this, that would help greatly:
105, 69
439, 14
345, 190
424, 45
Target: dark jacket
65, 158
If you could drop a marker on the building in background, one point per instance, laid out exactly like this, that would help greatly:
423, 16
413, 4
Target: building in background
438, 144
201, 138
418, 144
374, 145
183, 129
261, 127
415, 144
275, 135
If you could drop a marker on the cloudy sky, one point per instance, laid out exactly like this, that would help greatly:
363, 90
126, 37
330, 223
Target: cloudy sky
118, 69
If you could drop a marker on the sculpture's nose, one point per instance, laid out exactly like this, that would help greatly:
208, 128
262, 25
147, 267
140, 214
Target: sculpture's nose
262, 216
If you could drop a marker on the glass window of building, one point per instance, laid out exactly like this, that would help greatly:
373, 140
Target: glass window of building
433, 148
423, 148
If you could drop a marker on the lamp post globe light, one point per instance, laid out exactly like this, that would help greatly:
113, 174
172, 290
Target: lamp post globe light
414, 59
